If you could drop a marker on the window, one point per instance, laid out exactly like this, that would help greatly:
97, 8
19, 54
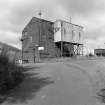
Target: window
25, 33
65, 32
72, 34
79, 35
31, 38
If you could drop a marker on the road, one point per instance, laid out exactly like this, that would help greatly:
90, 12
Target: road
74, 83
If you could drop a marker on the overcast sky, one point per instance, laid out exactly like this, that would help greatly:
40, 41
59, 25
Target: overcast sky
15, 14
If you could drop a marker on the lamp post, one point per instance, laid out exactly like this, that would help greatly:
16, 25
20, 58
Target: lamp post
35, 48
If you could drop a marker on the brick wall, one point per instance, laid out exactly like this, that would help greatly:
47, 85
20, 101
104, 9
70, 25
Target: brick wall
39, 32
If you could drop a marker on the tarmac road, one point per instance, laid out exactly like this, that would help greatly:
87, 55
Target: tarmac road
75, 83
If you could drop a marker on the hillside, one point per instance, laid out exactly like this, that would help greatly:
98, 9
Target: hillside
2, 45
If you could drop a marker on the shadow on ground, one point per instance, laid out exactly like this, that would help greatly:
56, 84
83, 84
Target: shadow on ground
27, 90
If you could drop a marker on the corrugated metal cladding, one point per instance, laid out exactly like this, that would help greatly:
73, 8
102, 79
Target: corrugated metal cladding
68, 32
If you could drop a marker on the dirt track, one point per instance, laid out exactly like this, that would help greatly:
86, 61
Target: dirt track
74, 83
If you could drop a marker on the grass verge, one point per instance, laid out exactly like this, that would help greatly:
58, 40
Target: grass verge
11, 75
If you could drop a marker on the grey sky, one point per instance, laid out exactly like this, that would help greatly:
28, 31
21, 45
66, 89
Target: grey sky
15, 14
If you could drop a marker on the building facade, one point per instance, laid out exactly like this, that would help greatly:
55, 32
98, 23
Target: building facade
69, 37
38, 40
46, 39
99, 52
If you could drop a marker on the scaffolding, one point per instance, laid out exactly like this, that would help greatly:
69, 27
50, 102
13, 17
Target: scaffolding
68, 49
68, 38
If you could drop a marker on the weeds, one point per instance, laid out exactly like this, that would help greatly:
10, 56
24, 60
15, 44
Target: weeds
11, 74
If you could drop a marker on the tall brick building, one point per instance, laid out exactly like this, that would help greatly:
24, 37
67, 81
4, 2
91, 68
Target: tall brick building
42, 39
38, 40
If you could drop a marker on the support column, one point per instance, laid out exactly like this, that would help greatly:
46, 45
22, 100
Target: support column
61, 39
82, 50
61, 48
34, 56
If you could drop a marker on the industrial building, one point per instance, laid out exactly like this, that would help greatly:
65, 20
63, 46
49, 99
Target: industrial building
68, 37
99, 52
45, 39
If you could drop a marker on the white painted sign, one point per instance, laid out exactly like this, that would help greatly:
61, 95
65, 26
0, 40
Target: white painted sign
40, 48
57, 31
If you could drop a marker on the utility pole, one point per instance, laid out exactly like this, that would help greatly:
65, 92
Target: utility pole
82, 50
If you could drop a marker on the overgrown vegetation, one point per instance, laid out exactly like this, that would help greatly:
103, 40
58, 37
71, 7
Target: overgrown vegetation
11, 74
91, 55
101, 95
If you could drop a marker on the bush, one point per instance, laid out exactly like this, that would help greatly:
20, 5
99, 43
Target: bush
11, 74
91, 55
